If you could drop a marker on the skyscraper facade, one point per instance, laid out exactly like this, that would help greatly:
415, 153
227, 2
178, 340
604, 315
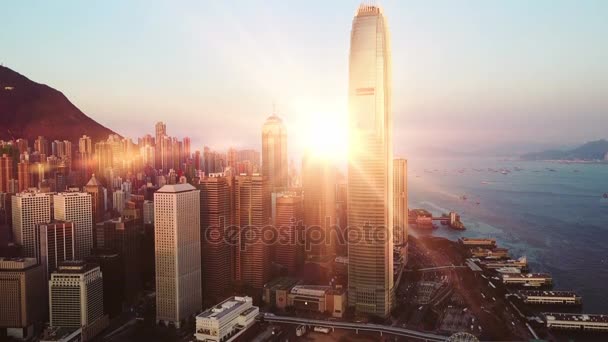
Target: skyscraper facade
54, 244
177, 253
77, 208
288, 252
274, 153
216, 254
252, 205
29, 209
6, 172
95, 189
370, 167
400, 200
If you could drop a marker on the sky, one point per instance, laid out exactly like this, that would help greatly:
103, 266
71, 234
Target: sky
467, 75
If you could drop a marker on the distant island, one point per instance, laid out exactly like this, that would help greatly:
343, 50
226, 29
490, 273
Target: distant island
591, 151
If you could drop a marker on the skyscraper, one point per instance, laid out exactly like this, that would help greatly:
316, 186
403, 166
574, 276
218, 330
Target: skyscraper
77, 208
178, 253
76, 298
288, 252
400, 206
274, 153
28, 210
22, 296
95, 189
6, 172
216, 254
252, 205
24, 175
54, 244
319, 187
370, 167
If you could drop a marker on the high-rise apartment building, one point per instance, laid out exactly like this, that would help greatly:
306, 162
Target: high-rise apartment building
370, 168
29, 208
400, 211
54, 244
6, 172
252, 206
274, 153
216, 252
288, 251
41, 145
76, 298
77, 208
95, 189
22, 296
24, 175
177, 253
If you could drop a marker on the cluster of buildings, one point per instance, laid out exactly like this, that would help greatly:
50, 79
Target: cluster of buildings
87, 224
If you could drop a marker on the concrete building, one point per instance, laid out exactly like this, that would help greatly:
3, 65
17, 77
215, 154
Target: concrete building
252, 205
148, 209
275, 293
95, 189
76, 298
76, 207
22, 297
370, 167
578, 322
318, 298
118, 201
274, 153
477, 242
177, 253
29, 208
288, 252
400, 209
6, 172
319, 191
549, 297
226, 321
216, 251
54, 244
24, 175
527, 279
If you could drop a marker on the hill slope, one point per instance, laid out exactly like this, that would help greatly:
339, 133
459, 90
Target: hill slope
29, 109
592, 150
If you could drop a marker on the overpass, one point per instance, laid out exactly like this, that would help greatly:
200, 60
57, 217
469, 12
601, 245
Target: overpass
429, 269
382, 329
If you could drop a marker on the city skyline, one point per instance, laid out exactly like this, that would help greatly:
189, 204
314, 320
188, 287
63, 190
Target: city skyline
469, 65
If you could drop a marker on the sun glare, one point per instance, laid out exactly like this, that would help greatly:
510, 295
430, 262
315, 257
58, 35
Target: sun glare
326, 135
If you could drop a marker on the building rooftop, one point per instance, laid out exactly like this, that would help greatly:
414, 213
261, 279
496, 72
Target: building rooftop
57, 334
538, 293
554, 316
281, 283
74, 266
175, 188
17, 263
227, 306
526, 275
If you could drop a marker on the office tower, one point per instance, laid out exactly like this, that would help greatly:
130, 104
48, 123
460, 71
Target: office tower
274, 153
77, 208
288, 251
160, 132
24, 175
252, 205
95, 189
370, 169
319, 188
41, 145
400, 207
216, 253
28, 209
54, 244
178, 253
341, 213
232, 157
148, 209
187, 146
22, 296
147, 153
111, 267
103, 157
6, 171
121, 235
85, 153
118, 200
76, 298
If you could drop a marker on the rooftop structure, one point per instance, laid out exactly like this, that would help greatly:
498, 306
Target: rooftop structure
528, 279
549, 297
227, 320
477, 242
570, 321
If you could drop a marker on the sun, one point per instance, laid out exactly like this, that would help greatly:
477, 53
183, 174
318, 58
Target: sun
326, 135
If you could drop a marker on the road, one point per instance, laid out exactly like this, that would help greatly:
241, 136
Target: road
382, 329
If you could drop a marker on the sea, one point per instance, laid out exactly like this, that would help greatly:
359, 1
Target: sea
554, 213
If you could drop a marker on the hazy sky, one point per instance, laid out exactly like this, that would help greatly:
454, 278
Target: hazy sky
467, 74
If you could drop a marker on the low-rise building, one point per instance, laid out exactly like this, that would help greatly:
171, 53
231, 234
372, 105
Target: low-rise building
318, 298
487, 253
275, 292
521, 263
226, 321
477, 242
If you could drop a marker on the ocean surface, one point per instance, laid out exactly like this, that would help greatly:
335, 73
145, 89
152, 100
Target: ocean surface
553, 213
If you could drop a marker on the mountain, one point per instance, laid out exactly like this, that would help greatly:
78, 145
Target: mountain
593, 150
29, 109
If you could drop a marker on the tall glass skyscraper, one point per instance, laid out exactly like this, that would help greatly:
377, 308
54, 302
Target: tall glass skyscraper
370, 167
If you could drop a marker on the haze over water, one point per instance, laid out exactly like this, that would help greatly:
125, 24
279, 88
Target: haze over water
558, 219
